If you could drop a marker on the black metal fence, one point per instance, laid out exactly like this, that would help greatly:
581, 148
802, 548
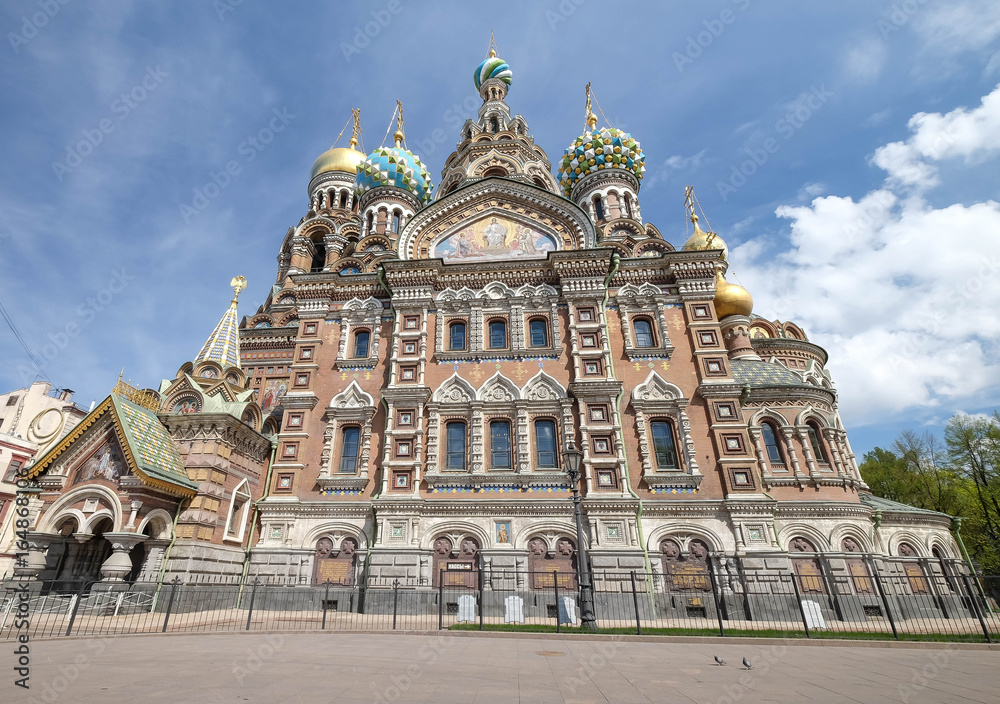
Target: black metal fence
763, 603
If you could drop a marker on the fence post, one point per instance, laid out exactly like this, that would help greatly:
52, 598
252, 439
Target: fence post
441, 600
715, 598
395, 601
635, 603
798, 600
885, 601
253, 595
481, 606
76, 607
975, 606
555, 586
326, 600
170, 602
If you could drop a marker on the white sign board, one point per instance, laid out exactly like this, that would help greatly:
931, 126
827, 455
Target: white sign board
513, 610
466, 608
814, 615
567, 609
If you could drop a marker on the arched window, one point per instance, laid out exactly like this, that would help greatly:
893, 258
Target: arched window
628, 205
362, 339
664, 446
495, 171
498, 334
494, 125
817, 446
500, 444
598, 208
538, 332
354, 203
349, 449
546, 454
456, 336
343, 199
455, 445
369, 221
395, 222
643, 333
771, 443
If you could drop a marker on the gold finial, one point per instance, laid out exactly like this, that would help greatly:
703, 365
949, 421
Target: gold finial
591, 117
493, 45
398, 136
238, 283
356, 129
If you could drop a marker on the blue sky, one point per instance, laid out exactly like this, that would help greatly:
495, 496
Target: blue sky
860, 221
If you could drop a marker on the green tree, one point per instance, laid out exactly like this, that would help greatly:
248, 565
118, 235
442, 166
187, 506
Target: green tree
974, 447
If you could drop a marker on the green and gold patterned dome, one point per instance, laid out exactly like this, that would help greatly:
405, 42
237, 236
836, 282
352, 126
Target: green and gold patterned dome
597, 150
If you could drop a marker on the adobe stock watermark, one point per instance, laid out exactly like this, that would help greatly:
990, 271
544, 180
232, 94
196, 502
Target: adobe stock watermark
919, 679
249, 148
697, 43
224, 7
53, 689
255, 658
453, 118
594, 666
365, 33
121, 107
900, 13
804, 107
402, 680
86, 313
564, 10
32, 24
763, 661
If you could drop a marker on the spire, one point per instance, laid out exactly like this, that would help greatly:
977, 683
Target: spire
223, 345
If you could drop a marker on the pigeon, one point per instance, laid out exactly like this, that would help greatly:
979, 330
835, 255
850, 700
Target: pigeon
747, 664
718, 660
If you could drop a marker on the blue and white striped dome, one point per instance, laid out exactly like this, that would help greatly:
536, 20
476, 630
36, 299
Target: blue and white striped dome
492, 67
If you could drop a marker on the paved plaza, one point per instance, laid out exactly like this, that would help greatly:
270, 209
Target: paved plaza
473, 669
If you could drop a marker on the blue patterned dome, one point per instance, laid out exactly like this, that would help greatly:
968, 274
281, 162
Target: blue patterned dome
394, 166
598, 149
492, 67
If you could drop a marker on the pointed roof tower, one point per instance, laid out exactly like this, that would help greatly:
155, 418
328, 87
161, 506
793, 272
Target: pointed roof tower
223, 345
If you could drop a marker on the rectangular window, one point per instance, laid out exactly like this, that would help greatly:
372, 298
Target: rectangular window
407, 373
592, 367
456, 336
291, 449
602, 446
643, 333
588, 341
598, 413
411, 322
545, 444
403, 448
409, 348
349, 450
405, 418
306, 353
302, 380
663, 445
455, 446
284, 482
12, 401
538, 333
498, 334
606, 479
362, 341
310, 329
294, 420
500, 444
586, 315
400, 480
12, 469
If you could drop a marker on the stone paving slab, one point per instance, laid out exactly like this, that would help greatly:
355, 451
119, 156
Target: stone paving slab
411, 669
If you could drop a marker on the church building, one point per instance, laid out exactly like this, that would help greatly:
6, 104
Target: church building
400, 404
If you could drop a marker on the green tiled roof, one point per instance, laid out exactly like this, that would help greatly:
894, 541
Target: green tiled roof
151, 446
757, 373
877, 502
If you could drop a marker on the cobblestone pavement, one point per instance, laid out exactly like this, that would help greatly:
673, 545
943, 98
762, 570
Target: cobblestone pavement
346, 668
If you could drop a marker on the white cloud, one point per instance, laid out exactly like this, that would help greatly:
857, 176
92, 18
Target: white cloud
971, 134
864, 62
811, 190
683, 163
902, 294
955, 27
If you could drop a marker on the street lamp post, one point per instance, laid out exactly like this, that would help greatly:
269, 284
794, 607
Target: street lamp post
588, 621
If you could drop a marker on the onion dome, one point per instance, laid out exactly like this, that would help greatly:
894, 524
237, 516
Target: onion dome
492, 67
599, 149
345, 159
702, 240
731, 299
394, 166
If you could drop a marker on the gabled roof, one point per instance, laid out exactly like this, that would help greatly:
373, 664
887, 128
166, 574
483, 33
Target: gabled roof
149, 450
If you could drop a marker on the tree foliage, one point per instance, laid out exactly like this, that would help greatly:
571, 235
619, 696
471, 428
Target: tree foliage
959, 476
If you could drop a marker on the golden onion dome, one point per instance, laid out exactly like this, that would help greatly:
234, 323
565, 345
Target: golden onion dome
702, 240
344, 159
731, 299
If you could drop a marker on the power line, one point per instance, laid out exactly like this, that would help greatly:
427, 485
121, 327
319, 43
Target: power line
24, 345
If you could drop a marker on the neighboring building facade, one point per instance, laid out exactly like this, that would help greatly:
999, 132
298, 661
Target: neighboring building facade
31, 420
399, 406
